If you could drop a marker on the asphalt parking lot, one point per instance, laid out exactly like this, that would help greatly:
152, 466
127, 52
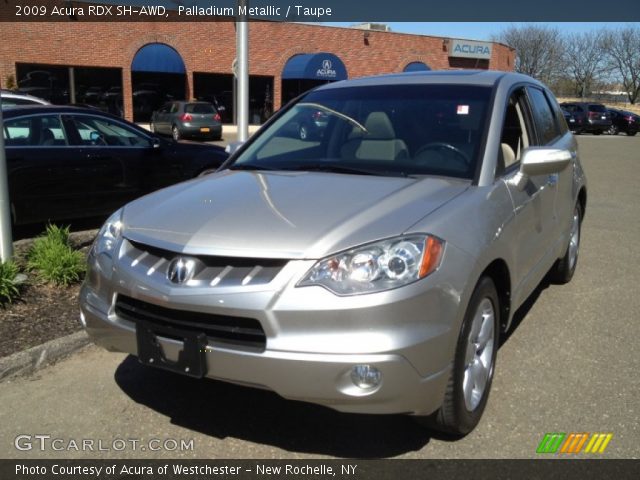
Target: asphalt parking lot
570, 365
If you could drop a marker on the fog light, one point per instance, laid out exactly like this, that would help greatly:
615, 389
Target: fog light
366, 376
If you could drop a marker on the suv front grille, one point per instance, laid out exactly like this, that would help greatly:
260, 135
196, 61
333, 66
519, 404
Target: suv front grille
210, 271
223, 330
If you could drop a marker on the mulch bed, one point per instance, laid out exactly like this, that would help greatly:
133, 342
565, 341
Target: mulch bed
43, 312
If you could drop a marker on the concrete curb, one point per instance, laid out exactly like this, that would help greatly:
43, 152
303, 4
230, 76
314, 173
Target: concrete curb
31, 360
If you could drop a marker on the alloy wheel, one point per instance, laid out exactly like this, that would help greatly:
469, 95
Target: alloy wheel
479, 356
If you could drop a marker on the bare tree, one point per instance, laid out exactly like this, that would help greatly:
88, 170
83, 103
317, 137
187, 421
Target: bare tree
584, 59
623, 54
539, 50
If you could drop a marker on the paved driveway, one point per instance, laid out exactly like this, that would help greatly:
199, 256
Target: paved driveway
570, 365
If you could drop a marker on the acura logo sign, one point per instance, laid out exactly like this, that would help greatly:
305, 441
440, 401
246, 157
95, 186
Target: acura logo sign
181, 270
327, 70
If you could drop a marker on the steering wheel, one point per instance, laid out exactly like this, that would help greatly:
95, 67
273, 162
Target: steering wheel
444, 146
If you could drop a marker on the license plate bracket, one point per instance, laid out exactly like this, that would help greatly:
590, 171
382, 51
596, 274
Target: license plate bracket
191, 359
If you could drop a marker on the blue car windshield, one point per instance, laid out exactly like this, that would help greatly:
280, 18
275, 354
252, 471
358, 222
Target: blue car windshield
391, 130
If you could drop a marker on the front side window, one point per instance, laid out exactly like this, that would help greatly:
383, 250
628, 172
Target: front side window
35, 131
392, 130
96, 131
543, 117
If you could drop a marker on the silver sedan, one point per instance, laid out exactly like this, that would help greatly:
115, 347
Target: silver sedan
371, 269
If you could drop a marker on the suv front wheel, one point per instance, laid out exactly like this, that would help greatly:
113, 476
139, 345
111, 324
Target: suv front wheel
473, 366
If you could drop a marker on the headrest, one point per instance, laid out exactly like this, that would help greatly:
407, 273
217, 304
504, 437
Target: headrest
379, 126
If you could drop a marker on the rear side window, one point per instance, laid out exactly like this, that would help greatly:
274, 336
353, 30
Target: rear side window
200, 108
35, 131
543, 117
597, 108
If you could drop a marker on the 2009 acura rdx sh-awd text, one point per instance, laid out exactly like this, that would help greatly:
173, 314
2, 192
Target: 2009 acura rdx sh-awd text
369, 270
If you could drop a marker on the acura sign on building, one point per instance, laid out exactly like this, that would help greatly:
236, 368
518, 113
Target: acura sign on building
469, 49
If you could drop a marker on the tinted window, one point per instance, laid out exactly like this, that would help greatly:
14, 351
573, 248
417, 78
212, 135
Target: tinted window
386, 130
597, 108
561, 121
200, 108
543, 117
35, 131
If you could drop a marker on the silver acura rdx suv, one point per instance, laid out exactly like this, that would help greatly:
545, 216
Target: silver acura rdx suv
369, 269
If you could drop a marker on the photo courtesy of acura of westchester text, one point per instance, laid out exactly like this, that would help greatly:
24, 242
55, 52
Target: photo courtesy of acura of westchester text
239, 232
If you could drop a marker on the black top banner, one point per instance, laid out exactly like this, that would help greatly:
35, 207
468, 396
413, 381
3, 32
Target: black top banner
322, 10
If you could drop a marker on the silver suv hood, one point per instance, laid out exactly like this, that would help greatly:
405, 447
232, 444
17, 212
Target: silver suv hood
283, 214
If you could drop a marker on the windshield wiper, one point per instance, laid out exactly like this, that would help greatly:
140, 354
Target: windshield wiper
250, 166
334, 168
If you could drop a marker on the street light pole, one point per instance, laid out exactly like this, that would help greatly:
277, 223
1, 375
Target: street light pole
242, 54
6, 243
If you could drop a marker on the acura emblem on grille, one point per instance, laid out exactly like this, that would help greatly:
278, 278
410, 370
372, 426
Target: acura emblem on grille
181, 270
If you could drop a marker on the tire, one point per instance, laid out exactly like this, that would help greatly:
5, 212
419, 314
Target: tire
175, 133
613, 130
631, 134
563, 270
303, 132
465, 399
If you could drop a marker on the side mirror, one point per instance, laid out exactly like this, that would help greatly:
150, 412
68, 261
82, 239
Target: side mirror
541, 161
544, 161
233, 146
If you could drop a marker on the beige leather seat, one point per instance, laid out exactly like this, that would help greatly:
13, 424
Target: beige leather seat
378, 143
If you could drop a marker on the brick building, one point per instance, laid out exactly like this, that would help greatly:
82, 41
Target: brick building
132, 67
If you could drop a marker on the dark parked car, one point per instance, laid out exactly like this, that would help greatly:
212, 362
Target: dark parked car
70, 162
592, 117
311, 125
187, 119
623, 121
570, 119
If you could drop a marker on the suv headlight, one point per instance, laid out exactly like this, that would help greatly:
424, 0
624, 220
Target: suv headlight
378, 266
109, 235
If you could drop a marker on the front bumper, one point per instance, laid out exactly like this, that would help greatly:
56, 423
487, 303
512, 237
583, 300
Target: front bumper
408, 334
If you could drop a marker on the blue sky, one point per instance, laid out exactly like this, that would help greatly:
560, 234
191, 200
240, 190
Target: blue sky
480, 30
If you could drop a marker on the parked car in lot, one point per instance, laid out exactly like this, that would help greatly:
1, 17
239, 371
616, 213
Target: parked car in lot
623, 121
72, 162
592, 117
10, 99
187, 119
372, 271
311, 124
571, 120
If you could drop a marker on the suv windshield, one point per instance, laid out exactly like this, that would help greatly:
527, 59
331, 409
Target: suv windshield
394, 130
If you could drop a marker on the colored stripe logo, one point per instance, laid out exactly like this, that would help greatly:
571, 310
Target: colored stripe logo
574, 443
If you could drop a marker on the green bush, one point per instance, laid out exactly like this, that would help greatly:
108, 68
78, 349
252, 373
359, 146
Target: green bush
8, 285
53, 258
